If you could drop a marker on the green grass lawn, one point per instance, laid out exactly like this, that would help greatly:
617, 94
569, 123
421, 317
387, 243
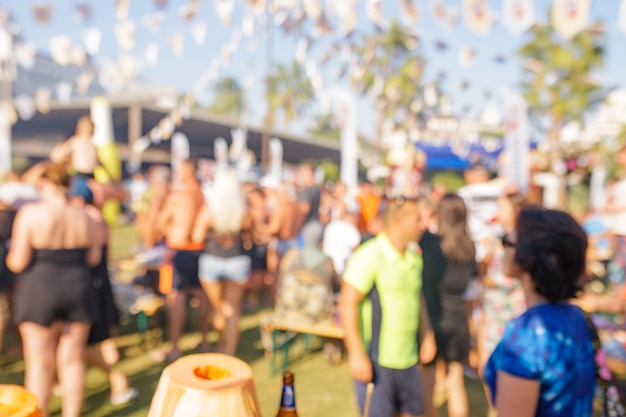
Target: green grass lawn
322, 389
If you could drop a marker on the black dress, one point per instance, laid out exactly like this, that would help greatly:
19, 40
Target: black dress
108, 314
6, 226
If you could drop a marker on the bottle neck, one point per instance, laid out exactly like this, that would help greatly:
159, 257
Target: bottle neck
288, 399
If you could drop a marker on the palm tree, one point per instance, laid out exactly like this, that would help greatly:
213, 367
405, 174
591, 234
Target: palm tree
391, 70
288, 91
558, 83
325, 127
229, 98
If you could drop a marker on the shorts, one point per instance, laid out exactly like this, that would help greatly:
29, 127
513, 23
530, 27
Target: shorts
283, 246
213, 268
258, 257
453, 344
185, 269
396, 391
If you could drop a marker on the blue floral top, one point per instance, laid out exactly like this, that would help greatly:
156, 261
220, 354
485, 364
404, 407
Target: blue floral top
550, 343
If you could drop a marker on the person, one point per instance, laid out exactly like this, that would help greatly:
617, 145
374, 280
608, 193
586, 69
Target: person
52, 245
309, 194
79, 151
382, 312
341, 237
544, 364
224, 266
180, 273
257, 207
102, 351
449, 265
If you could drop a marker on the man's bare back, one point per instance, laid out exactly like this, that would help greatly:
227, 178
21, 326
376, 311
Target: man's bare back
179, 214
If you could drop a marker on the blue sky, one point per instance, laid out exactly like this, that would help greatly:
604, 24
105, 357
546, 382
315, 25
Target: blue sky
183, 72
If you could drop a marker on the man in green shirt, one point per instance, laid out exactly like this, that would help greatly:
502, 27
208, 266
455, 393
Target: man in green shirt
382, 315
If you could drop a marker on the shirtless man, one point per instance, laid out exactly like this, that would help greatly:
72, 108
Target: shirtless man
176, 223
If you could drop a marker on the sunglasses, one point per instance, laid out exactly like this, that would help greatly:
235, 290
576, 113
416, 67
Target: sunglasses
507, 242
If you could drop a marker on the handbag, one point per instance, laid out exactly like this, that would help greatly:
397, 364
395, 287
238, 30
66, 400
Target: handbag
606, 393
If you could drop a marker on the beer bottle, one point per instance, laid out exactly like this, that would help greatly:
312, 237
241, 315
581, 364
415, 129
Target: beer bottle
288, 399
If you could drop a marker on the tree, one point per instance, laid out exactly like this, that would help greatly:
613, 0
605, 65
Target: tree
325, 127
288, 91
558, 83
391, 71
229, 98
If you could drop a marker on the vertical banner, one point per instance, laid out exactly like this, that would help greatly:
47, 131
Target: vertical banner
517, 140
220, 152
518, 15
344, 112
5, 142
179, 152
276, 159
104, 139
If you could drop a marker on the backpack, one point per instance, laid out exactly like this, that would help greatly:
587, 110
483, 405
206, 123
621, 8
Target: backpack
304, 295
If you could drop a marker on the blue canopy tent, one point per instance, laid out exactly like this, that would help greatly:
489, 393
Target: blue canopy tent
442, 158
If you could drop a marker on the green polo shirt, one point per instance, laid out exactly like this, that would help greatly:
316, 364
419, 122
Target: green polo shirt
389, 314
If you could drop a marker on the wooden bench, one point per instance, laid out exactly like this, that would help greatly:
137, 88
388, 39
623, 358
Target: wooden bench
283, 334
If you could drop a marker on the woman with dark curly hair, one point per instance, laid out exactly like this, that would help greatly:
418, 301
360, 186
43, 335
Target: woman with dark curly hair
544, 364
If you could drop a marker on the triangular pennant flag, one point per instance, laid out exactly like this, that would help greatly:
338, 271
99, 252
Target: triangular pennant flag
220, 153
188, 11
160, 4
224, 10
78, 56
238, 145
258, 6
621, 24
374, 12
445, 16
519, 15
346, 14
91, 41
177, 43
25, 107
25, 54
42, 12
464, 85
478, 17
570, 17
441, 45
247, 24
122, 8
151, 54
500, 59
312, 8
199, 32
410, 12
83, 82
301, 50
322, 27
332, 51
64, 92
125, 35
430, 95
42, 100
153, 21
61, 49
466, 56
82, 12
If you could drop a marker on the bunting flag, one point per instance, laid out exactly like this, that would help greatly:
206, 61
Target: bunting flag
153, 21
301, 50
517, 138
5, 17
179, 152
374, 12
445, 16
345, 11
257, 6
82, 12
25, 54
43, 97
91, 41
570, 17
199, 32
410, 12
478, 17
122, 8
322, 27
224, 11
61, 49
430, 95
25, 107
275, 162
463, 85
247, 24
177, 44
83, 82
160, 4
238, 151
441, 45
445, 105
64, 92
125, 35
518, 15
42, 12
78, 56
313, 8
621, 24
6, 45
500, 59
188, 11
466, 56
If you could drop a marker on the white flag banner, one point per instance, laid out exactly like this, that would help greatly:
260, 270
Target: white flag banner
467, 56
247, 24
224, 10
153, 21
343, 103
122, 8
478, 17
151, 54
444, 15
125, 35
374, 12
64, 92
179, 152
220, 151
622, 17
275, 162
177, 43
43, 97
25, 106
61, 49
313, 8
91, 41
518, 15
570, 17
199, 32
25, 54
83, 82
410, 12
516, 140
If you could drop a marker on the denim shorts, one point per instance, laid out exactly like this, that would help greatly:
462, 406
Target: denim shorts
213, 268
